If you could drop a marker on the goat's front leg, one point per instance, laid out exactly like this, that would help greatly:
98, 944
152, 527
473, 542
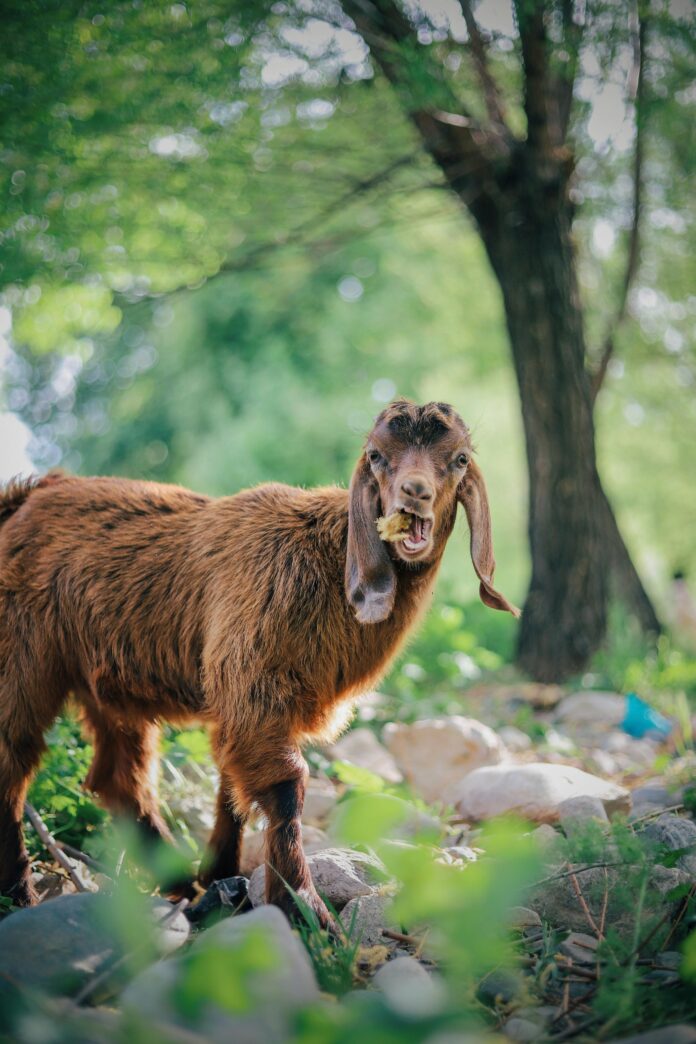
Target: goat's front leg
274, 778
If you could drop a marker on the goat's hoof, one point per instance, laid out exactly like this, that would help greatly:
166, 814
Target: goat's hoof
309, 899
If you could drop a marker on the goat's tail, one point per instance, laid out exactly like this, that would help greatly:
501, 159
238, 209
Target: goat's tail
18, 490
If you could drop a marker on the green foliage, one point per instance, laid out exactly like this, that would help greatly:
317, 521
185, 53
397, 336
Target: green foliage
56, 791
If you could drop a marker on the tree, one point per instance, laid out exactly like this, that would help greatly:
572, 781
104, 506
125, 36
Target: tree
519, 190
148, 151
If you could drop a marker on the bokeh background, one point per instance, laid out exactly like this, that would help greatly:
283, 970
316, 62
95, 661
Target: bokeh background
224, 250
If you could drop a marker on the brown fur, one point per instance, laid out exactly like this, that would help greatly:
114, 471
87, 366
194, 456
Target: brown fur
263, 614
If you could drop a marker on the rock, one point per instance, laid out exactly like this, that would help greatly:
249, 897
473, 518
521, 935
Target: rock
59, 945
274, 988
339, 875
680, 1034
522, 917
547, 839
499, 987
674, 833
600, 761
364, 918
598, 709
461, 853
254, 845
521, 1029
320, 798
653, 796
580, 947
576, 813
362, 748
434, 754
559, 743
410, 990
533, 791
222, 899
556, 901
515, 739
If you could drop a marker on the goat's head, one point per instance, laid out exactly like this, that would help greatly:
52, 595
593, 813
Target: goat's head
417, 463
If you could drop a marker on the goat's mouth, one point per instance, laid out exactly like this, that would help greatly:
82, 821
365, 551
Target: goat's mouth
416, 538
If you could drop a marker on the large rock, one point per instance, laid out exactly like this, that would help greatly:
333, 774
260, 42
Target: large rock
675, 833
434, 754
266, 988
362, 748
557, 902
339, 874
653, 796
534, 791
254, 846
61, 944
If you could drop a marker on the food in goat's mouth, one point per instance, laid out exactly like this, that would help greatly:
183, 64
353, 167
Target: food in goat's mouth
412, 531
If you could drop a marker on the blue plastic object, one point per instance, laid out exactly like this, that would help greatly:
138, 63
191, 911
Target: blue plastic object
640, 718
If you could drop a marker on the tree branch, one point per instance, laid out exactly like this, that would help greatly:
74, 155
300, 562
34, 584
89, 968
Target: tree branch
491, 93
535, 59
565, 82
450, 134
637, 84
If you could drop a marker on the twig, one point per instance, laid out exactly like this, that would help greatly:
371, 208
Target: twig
585, 908
49, 842
411, 940
477, 43
88, 860
577, 870
89, 988
680, 916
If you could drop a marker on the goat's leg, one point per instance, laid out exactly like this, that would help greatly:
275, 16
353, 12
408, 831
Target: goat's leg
224, 849
22, 724
273, 776
124, 771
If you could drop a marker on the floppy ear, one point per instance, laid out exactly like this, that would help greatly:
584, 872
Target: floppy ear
472, 495
370, 578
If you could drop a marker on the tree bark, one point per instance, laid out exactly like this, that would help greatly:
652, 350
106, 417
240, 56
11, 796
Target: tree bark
528, 239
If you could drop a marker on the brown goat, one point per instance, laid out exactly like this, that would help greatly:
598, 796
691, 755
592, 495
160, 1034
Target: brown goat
263, 614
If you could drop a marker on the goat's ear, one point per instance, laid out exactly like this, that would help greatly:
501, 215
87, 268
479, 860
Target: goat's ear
370, 578
471, 493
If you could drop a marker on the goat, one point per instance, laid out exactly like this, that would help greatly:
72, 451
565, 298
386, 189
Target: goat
264, 615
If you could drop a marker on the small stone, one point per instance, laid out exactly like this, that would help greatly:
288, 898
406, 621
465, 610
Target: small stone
533, 791
222, 899
339, 875
364, 918
546, 838
674, 833
522, 917
576, 812
409, 989
653, 796
434, 754
461, 853
362, 748
602, 762
521, 1029
593, 708
580, 947
499, 987
515, 739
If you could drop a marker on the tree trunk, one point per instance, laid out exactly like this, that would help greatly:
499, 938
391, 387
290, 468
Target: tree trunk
625, 585
529, 243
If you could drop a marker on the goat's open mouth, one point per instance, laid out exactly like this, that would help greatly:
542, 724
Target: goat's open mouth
417, 537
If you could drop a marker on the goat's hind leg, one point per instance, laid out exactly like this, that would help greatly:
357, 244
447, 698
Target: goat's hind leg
23, 721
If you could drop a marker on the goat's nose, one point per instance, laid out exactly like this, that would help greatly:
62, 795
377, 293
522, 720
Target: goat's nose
417, 489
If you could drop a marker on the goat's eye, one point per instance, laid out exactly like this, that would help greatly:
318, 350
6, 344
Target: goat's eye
462, 460
374, 456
